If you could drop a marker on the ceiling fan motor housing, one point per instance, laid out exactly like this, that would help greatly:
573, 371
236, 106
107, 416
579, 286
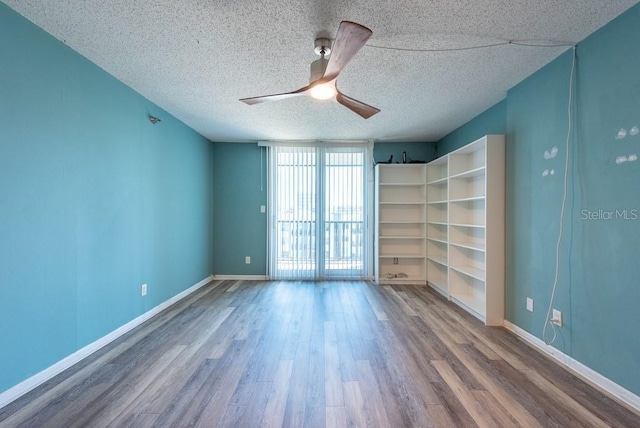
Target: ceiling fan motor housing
317, 69
322, 48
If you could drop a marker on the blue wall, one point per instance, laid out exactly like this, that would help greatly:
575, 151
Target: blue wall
606, 289
94, 201
598, 288
537, 121
491, 121
239, 228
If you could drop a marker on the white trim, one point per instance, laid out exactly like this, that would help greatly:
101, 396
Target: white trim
38, 379
585, 373
241, 277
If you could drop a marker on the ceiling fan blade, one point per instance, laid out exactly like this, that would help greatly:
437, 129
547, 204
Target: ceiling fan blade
358, 107
275, 97
351, 37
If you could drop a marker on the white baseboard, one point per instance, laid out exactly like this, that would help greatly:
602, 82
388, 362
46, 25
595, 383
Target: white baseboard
241, 277
587, 374
27, 385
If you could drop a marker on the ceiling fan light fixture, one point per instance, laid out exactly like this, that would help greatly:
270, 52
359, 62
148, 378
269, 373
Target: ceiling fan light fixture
351, 37
320, 91
323, 91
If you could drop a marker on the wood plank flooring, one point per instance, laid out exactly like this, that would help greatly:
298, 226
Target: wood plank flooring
314, 354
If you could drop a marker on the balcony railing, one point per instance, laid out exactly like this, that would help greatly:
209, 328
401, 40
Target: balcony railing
343, 245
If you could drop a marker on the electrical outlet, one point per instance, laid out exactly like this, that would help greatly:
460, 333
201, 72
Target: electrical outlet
529, 304
143, 290
557, 318
247, 260
263, 209
395, 260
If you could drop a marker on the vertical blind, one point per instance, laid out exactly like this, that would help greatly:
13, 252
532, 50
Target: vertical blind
319, 207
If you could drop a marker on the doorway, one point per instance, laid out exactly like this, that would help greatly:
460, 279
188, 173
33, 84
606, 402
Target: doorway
319, 208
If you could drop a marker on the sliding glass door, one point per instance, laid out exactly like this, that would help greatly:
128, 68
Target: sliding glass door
293, 200
344, 213
318, 212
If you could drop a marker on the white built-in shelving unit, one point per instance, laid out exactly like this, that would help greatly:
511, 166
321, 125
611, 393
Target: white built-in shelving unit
458, 244
400, 223
476, 228
437, 219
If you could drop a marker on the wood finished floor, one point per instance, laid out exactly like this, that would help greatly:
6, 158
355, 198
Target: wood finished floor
248, 354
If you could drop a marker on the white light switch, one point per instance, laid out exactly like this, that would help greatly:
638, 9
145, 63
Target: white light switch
263, 209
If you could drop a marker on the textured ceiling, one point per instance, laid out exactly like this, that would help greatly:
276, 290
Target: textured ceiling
196, 58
